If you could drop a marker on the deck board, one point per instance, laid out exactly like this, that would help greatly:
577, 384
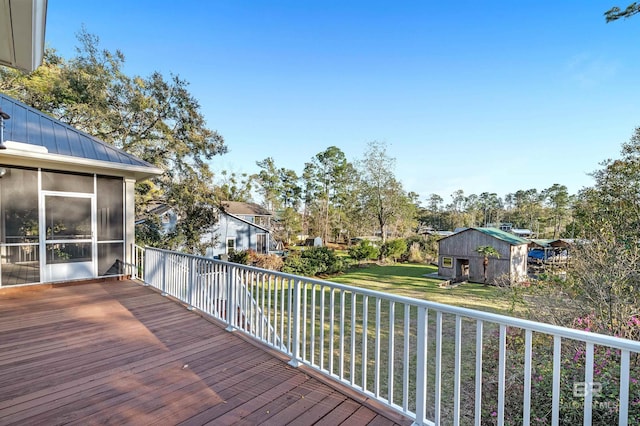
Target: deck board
116, 352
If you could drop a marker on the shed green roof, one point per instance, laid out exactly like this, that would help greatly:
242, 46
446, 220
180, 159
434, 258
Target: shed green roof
503, 235
542, 242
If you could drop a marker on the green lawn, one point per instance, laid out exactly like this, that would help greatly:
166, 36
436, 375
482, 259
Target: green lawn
408, 280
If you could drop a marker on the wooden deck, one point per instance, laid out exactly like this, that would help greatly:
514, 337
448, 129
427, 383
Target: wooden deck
119, 353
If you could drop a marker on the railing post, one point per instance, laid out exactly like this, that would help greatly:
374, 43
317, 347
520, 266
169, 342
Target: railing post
164, 273
231, 322
134, 262
140, 263
295, 350
421, 366
191, 283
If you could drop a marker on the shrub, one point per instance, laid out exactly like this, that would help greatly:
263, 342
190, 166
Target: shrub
313, 261
363, 251
266, 261
605, 374
393, 249
297, 265
241, 257
415, 254
422, 249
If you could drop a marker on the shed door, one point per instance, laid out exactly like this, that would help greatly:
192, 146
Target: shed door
69, 237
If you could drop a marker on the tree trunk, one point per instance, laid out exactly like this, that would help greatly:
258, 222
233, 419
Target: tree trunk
485, 263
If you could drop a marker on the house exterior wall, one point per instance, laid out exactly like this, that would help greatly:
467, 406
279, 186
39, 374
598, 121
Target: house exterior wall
458, 249
245, 235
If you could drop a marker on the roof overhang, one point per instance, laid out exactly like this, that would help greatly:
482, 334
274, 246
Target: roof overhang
17, 157
255, 225
22, 28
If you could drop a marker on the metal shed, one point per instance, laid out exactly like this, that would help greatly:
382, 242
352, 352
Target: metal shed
458, 259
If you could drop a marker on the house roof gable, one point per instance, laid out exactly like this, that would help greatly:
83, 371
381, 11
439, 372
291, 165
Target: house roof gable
514, 240
241, 208
507, 237
238, 218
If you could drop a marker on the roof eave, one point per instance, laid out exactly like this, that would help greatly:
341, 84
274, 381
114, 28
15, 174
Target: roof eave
246, 221
22, 27
75, 164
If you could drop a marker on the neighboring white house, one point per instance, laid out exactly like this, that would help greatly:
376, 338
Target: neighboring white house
241, 226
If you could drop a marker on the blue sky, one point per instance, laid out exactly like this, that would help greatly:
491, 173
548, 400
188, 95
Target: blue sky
475, 95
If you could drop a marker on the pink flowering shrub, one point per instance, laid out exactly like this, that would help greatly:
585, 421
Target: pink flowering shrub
606, 379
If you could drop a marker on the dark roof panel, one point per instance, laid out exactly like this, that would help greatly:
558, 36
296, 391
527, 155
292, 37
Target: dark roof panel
242, 208
28, 125
503, 235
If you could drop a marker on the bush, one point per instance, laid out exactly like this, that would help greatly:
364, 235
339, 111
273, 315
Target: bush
266, 261
241, 257
422, 249
415, 254
606, 375
394, 249
313, 261
363, 251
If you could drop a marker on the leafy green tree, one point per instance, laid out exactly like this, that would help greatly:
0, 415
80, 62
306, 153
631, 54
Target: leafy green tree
364, 251
456, 209
291, 192
383, 197
233, 187
191, 199
616, 13
491, 206
559, 202
154, 118
525, 209
325, 177
290, 225
613, 200
269, 183
394, 249
487, 252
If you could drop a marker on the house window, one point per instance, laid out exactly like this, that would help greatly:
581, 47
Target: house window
231, 245
447, 262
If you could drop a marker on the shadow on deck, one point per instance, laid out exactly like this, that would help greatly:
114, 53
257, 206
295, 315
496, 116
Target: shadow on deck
115, 352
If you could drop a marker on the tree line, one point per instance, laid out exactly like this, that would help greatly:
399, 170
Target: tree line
159, 120
547, 213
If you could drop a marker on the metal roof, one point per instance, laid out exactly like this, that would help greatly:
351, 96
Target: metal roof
503, 235
44, 138
540, 242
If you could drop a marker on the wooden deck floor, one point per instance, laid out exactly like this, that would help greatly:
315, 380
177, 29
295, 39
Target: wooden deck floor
120, 353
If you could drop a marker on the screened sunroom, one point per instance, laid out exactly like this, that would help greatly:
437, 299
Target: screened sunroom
66, 201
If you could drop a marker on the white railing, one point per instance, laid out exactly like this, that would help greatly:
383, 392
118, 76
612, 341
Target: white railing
474, 367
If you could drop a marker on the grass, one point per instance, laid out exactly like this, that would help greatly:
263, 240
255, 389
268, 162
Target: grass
408, 280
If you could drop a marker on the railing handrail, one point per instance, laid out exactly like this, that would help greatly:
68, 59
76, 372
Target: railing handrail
306, 318
565, 332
